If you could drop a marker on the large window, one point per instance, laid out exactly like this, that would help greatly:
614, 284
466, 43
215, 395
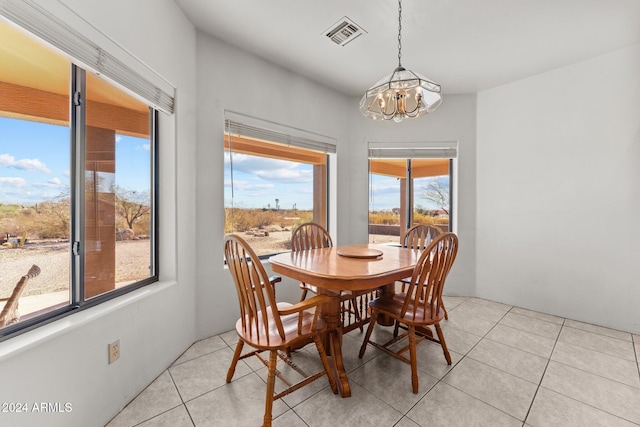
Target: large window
273, 181
77, 185
409, 184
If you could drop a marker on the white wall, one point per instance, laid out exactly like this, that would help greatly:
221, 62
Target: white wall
558, 190
230, 79
454, 120
66, 361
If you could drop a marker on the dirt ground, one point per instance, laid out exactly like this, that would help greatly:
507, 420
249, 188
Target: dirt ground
132, 262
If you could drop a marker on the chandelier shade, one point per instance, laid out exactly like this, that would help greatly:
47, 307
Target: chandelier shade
401, 94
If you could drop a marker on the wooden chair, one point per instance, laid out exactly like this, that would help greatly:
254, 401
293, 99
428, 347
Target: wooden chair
10, 314
415, 309
269, 326
418, 237
313, 236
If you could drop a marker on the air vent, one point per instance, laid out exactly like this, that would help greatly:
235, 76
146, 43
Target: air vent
344, 31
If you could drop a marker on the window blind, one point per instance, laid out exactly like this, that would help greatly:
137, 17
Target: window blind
102, 56
237, 124
414, 150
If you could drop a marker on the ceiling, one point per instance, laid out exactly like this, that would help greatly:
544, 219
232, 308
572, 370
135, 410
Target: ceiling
465, 45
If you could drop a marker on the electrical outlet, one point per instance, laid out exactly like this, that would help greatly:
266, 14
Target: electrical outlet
114, 351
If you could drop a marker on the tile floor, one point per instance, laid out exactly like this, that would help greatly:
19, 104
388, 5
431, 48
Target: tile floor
511, 367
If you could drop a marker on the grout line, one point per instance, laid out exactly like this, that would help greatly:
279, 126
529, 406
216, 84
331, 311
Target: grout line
543, 374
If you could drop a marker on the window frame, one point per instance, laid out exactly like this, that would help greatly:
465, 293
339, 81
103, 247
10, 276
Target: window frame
416, 150
274, 136
77, 239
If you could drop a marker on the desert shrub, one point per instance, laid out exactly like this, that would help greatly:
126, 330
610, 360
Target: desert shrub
383, 217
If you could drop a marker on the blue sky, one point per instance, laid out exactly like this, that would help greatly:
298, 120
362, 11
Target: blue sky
35, 161
385, 192
259, 181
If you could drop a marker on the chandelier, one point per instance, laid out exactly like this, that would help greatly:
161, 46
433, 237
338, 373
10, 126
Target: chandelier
402, 93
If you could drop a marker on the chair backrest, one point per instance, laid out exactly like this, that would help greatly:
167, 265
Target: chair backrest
255, 292
419, 236
9, 313
310, 236
427, 281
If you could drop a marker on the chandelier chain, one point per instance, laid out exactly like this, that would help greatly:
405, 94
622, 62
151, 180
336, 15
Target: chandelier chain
399, 33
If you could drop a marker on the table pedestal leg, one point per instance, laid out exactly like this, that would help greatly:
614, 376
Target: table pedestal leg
333, 343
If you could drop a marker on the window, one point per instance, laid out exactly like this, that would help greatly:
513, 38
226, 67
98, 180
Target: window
409, 185
77, 183
274, 180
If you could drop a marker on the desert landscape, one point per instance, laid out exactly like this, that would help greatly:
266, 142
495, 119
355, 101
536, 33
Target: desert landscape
53, 258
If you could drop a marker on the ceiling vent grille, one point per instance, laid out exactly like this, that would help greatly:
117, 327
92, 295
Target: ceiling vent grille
344, 31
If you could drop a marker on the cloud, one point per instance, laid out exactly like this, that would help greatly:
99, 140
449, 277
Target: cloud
270, 169
247, 186
23, 164
13, 182
118, 138
66, 173
145, 147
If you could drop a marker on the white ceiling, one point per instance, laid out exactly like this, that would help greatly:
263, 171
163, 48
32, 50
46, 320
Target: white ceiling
465, 45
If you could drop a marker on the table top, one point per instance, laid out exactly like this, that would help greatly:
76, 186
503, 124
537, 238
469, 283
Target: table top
326, 268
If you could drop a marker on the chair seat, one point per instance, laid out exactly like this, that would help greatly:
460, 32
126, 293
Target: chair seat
289, 324
391, 305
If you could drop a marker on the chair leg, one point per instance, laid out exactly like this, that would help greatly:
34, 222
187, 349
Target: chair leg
234, 362
372, 323
325, 363
356, 311
396, 328
271, 385
304, 295
413, 358
443, 343
446, 315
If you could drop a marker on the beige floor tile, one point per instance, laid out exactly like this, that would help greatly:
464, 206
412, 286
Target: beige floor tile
610, 396
309, 362
206, 373
406, 422
390, 380
525, 365
288, 419
553, 409
493, 304
481, 311
446, 406
240, 403
532, 325
522, 340
458, 340
326, 409
497, 388
613, 333
597, 342
201, 348
538, 315
465, 318
159, 397
614, 368
431, 359
177, 417
351, 344
452, 302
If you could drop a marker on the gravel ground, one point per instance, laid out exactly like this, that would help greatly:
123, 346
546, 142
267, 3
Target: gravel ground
132, 262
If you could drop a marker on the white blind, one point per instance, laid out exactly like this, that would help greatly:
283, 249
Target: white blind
414, 150
102, 56
238, 124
